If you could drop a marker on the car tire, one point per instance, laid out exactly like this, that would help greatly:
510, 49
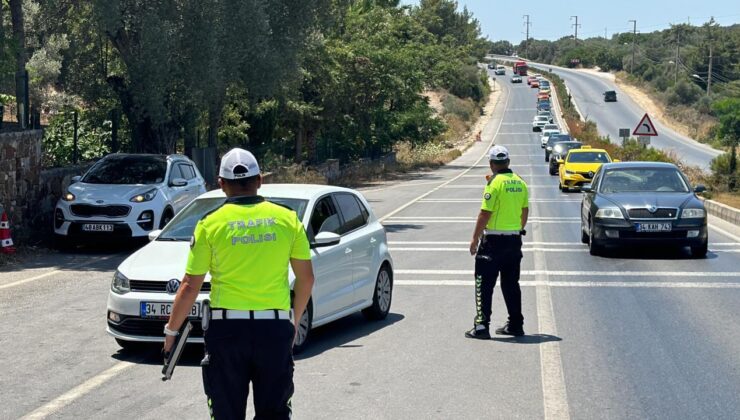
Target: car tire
700, 251
595, 247
166, 217
304, 329
584, 234
553, 172
382, 295
547, 157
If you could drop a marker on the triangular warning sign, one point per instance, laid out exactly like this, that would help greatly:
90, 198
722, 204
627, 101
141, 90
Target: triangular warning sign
645, 127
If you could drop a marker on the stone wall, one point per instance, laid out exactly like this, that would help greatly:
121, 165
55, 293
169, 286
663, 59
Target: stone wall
20, 168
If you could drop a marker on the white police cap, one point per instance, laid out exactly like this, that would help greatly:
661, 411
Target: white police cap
498, 154
238, 163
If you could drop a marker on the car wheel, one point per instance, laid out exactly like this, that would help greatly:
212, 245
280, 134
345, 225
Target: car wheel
382, 295
553, 172
304, 328
594, 246
584, 234
700, 251
166, 217
547, 157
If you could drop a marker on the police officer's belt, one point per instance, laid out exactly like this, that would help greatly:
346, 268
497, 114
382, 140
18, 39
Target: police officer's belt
502, 232
234, 314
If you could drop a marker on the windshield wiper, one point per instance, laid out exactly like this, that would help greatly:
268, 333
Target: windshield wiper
173, 239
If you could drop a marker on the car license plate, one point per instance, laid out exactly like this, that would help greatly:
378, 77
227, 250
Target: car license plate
653, 227
97, 227
163, 310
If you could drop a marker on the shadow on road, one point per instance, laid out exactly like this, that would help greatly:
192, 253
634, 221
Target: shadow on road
338, 333
401, 227
73, 258
151, 354
652, 253
528, 339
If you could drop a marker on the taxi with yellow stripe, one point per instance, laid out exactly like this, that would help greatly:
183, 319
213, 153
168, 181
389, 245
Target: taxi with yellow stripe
580, 165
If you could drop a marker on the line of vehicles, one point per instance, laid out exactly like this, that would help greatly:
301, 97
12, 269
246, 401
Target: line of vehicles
624, 203
163, 197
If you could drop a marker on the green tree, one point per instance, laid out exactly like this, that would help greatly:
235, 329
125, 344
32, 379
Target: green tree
728, 112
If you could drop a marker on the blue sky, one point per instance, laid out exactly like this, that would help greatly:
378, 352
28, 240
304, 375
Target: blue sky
552, 20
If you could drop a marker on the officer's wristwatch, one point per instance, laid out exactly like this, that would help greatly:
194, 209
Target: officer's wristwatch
169, 332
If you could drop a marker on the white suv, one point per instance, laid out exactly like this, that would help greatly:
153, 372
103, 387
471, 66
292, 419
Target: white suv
126, 195
349, 251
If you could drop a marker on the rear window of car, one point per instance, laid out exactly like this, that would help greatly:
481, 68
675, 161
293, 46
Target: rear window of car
127, 169
181, 227
588, 157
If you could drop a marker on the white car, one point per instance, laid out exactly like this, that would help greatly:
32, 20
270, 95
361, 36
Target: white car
351, 262
126, 195
539, 122
546, 132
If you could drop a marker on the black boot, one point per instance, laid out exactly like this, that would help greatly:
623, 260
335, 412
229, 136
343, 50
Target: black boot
508, 329
480, 332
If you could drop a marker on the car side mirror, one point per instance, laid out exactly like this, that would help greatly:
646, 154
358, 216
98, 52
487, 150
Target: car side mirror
700, 188
154, 234
586, 188
178, 182
75, 179
325, 239
561, 161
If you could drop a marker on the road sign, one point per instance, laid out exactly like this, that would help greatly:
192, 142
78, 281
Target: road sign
645, 127
643, 141
624, 132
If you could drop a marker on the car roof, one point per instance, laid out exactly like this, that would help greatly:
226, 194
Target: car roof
585, 150
640, 164
299, 191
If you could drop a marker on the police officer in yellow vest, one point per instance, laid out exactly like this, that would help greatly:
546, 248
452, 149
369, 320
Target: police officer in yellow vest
497, 246
246, 245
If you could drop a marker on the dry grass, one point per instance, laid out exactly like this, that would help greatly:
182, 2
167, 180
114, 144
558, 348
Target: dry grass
730, 199
295, 174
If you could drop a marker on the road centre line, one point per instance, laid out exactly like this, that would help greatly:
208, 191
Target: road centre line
453, 179
481, 186
54, 272
78, 391
585, 284
584, 273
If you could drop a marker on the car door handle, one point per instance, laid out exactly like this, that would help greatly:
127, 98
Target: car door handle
348, 250
373, 240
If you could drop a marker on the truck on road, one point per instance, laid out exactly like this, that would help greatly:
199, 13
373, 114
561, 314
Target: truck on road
520, 68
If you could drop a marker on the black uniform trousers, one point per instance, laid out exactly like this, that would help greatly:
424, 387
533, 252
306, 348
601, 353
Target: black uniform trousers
498, 254
240, 351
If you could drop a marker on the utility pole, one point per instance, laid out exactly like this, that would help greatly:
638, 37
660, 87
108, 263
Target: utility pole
634, 35
526, 40
678, 54
709, 76
576, 25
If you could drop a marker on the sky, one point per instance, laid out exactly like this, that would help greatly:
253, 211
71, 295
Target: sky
503, 20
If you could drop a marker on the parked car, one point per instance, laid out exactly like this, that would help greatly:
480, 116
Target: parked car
559, 150
351, 262
126, 195
643, 203
610, 96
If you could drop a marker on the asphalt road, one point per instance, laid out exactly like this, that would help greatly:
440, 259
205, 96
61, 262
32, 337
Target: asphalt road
587, 89
641, 333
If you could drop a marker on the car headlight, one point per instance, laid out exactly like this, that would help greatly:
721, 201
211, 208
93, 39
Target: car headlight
609, 213
693, 214
569, 172
147, 196
68, 196
120, 283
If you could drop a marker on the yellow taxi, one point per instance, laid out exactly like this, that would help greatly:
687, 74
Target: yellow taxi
580, 165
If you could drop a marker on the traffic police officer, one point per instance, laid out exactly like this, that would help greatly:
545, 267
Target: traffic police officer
497, 245
246, 245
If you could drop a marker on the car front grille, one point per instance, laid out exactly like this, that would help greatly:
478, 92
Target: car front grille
587, 175
150, 327
88, 210
660, 213
158, 286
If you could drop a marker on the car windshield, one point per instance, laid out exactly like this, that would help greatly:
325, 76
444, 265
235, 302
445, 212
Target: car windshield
650, 180
127, 169
551, 127
542, 118
182, 226
588, 157
563, 147
561, 137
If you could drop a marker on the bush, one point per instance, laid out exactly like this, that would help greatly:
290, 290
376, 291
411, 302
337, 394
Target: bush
462, 108
683, 93
93, 138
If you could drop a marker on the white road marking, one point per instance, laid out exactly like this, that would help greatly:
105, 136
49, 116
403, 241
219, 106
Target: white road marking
482, 185
524, 249
466, 218
453, 179
585, 284
395, 221
586, 273
724, 232
478, 200
78, 391
399, 185
54, 272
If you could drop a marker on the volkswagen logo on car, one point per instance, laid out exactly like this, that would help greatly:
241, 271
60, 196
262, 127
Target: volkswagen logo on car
172, 286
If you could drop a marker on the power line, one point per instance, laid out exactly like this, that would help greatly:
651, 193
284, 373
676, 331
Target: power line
575, 25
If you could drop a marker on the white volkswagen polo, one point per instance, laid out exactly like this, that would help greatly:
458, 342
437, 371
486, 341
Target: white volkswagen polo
352, 265
126, 195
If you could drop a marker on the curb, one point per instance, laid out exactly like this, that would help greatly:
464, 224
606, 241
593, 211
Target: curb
723, 211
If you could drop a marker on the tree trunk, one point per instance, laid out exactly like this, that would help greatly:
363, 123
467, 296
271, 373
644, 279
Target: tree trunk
19, 36
214, 121
299, 140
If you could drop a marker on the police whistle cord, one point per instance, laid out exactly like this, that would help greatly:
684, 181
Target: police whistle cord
6, 242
